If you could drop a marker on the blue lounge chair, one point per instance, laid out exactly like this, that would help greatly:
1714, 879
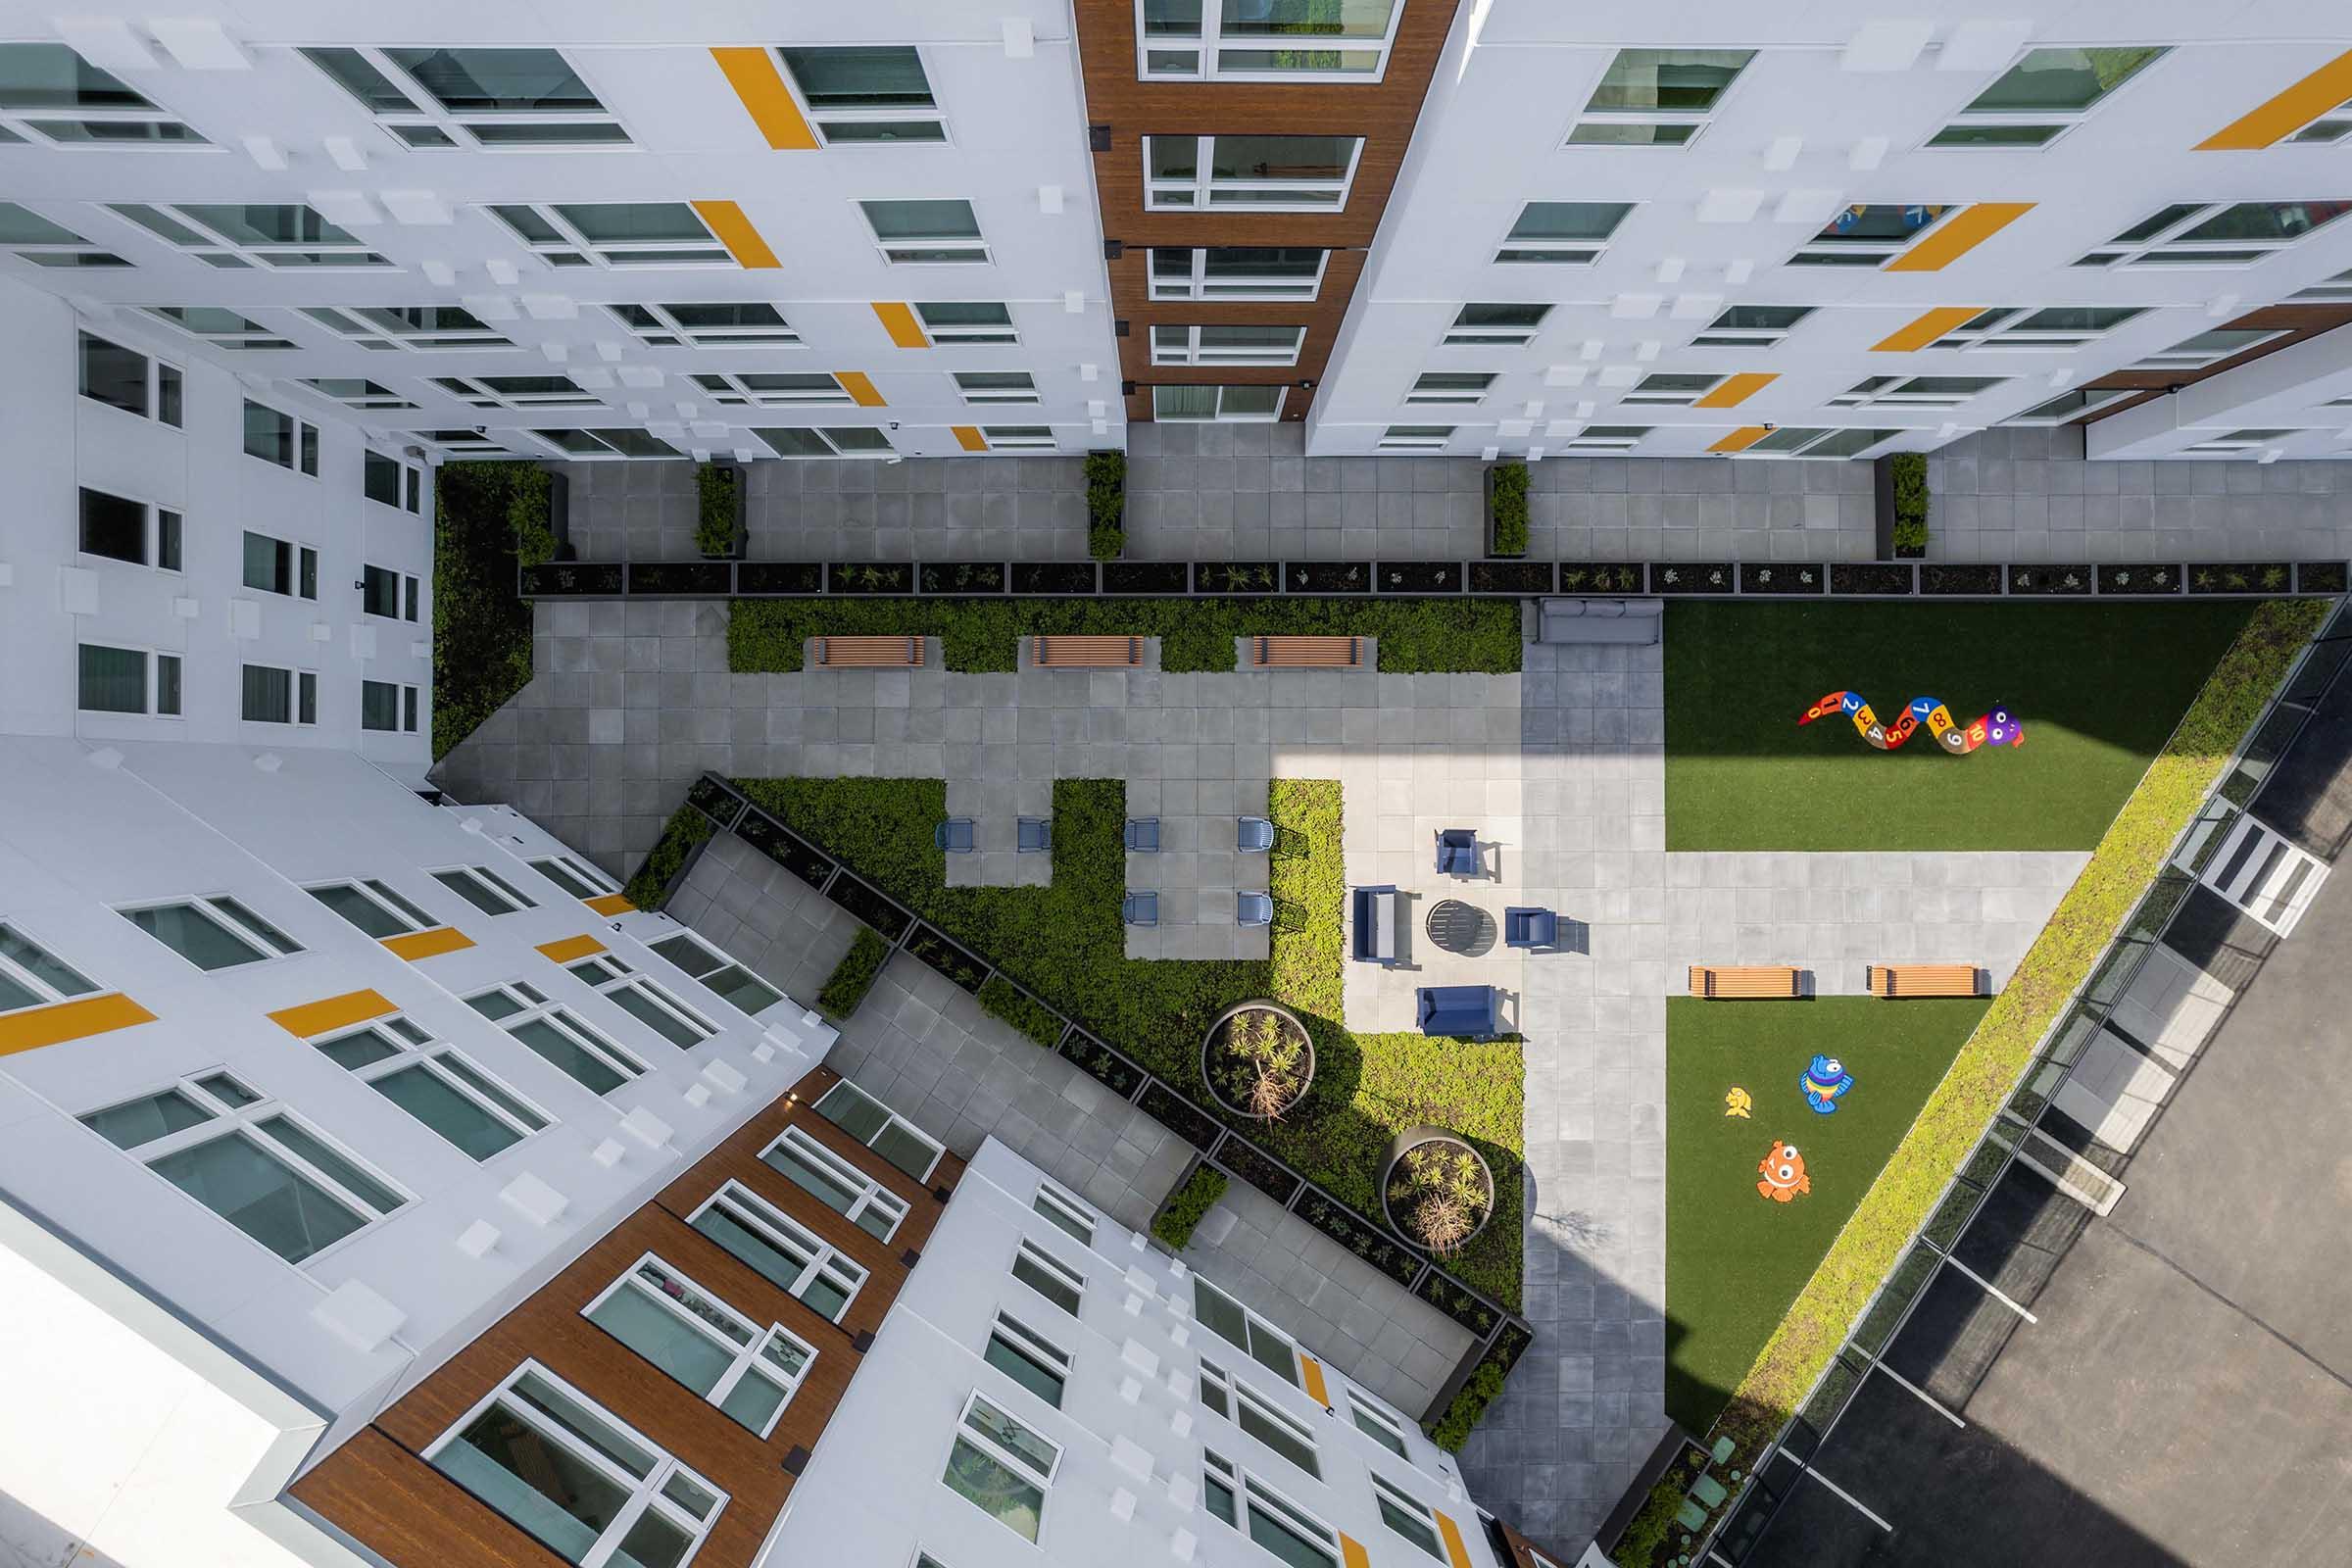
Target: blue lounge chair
1140, 909
1457, 851
1036, 834
955, 835
1143, 835
1464, 1013
1252, 833
1530, 928
1378, 915
1253, 908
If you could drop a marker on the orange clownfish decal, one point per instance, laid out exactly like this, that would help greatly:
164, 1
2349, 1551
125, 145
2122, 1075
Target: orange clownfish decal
1783, 1171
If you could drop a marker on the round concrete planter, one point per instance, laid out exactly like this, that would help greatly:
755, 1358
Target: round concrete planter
1289, 1021
1406, 1141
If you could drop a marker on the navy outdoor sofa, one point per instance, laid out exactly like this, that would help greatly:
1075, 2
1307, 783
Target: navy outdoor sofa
1467, 1012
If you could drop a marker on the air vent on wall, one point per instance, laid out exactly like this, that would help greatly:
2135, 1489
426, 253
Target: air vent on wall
1098, 138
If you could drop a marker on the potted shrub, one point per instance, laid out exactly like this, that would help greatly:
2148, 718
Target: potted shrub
1184, 1208
1899, 486
1507, 508
1258, 1060
1436, 1190
722, 502
1106, 505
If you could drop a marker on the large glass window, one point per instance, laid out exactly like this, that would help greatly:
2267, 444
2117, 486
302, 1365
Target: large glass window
558, 1035
1406, 1515
1415, 437
689, 1332
213, 933
830, 441
48, 92
375, 907
1069, 1217
614, 443
1229, 403
925, 231
272, 694
2209, 234
486, 97
2070, 406
1226, 345
881, 1129
642, 1000
484, 888
1002, 1467
1572, 232
1508, 325
231, 235
126, 379
1280, 1431
1049, 1276
42, 243
707, 325
999, 386
966, 321
1465, 387
781, 1250
1027, 1357
1657, 97
280, 438
2036, 99
31, 976
408, 326
1265, 40
119, 528
836, 1183
1378, 1422
720, 976
281, 567
1244, 1331
1261, 174
116, 680
576, 878
1237, 273
434, 1083
2066, 327
1751, 326
865, 94
1294, 1535
615, 234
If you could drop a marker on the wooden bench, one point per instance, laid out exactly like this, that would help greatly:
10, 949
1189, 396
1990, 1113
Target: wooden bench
1719, 982
1896, 981
1085, 653
892, 652
1306, 653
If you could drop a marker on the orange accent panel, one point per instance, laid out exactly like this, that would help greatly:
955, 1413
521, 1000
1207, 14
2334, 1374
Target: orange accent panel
315, 1019
753, 73
736, 233
860, 388
78, 1019
899, 322
611, 903
570, 948
1925, 330
1739, 440
1351, 1551
2274, 118
1959, 234
968, 437
1735, 390
429, 943
1452, 1533
1316, 1389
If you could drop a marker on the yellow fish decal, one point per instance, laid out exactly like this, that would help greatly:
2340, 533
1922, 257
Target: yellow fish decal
1737, 1102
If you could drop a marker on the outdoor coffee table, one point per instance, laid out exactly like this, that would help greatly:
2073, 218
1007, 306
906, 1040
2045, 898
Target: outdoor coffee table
1459, 927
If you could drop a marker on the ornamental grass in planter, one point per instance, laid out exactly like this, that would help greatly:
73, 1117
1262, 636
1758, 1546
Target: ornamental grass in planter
1437, 1190
1258, 1060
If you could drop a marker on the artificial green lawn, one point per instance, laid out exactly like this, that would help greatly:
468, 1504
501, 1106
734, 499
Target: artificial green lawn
1735, 1259
2097, 687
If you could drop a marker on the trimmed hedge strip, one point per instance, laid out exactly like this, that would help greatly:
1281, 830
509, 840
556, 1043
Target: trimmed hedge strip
854, 976
488, 518
686, 828
1022, 1010
1174, 1222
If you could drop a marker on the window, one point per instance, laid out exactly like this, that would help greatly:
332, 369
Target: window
272, 694
1751, 326
831, 441
1262, 40
1562, 232
2233, 442
1914, 391
966, 321
223, 330
1226, 345
519, 391
1789, 441
607, 444
783, 1251
2328, 290
1028, 1359
1508, 325
1657, 97
879, 1128
1237, 273
2067, 326
408, 326
484, 888
470, 443
1607, 438
49, 92
1018, 437
1250, 1410
1248, 404
874, 93
836, 1183
642, 1000
2038, 98
577, 879
243, 1157
357, 392
119, 680
45, 244
709, 327
558, 1035
119, 528
126, 379
1067, 1213
434, 1083
386, 593
1257, 173
279, 567
1000, 1467
389, 705
1673, 389
280, 438
926, 231
231, 235
1451, 386
1870, 235
2206, 348
486, 97
750, 1373
31, 977
1049, 1276
1294, 1535
997, 386
774, 390
1244, 1331
1415, 437
373, 906
1378, 1422
1406, 1515
569, 1475
2213, 235
615, 234
2068, 407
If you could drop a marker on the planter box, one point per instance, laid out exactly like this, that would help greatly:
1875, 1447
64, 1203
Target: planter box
756, 577
2061, 580
1592, 579
786, 848
1367, 1241
1980, 582
698, 579
1494, 551
1053, 576
2239, 577
1782, 577
740, 534
2320, 577
1518, 579
962, 578
1690, 577
715, 801
869, 905
1417, 576
587, 579
1327, 576
1259, 1170
559, 514
1180, 1116
1455, 1300
1147, 577
1101, 1064
2162, 577
960, 968
1885, 577
1237, 577
869, 578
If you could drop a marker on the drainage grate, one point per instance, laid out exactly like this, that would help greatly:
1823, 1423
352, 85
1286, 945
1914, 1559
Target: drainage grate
2260, 872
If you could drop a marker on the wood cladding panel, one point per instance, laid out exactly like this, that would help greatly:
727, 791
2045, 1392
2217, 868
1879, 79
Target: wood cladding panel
2301, 322
391, 1502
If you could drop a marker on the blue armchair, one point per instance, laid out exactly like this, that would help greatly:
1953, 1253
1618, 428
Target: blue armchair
955, 835
1253, 908
1140, 909
1143, 835
1377, 919
1530, 928
1252, 833
1457, 851
1036, 834
1464, 1013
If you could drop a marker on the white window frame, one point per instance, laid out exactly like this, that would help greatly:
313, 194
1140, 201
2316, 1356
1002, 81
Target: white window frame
1453, 397
648, 1493
2181, 357
1045, 1262
1019, 438
2095, 399
884, 115
990, 1447
2333, 289
476, 443
667, 330
667, 945
1387, 1494
1206, 46
475, 391
1254, 1326
426, 111
984, 396
2164, 249
732, 391
2232, 443
386, 900
1643, 395
1189, 350
302, 696
1874, 253
824, 437
154, 685
571, 248
750, 1354
306, 436
944, 334
71, 251
408, 489
962, 250
1906, 392
895, 1122
1416, 437
599, 448
610, 977
1607, 438
498, 896
294, 550
1549, 250
407, 594
153, 380
366, 325
531, 1004
572, 875
1251, 1495
245, 334
1199, 193
152, 533
45, 990
1027, 1343
1068, 1214
1282, 395
369, 395
31, 121
1378, 1422
2057, 121
418, 1050
1815, 436
1231, 1396
867, 1197
407, 700
1698, 119
210, 245
1266, 287
826, 1262
2007, 330
1718, 334
1459, 335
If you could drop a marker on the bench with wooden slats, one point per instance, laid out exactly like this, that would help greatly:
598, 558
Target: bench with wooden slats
1720, 982
1898, 981
1085, 653
886, 652
1306, 653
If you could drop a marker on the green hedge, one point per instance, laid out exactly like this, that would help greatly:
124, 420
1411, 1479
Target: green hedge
1174, 1222
1421, 635
714, 507
1022, 1010
686, 828
1484, 1388
487, 518
1910, 470
1508, 507
1106, 505
854, 976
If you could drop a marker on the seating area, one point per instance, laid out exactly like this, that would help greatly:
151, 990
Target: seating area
1086, 653
1459, 852
1750, 982
1461, 1012
1306, 653
1601, 621
1894, 982
1530, 928
868, 653
1375, 912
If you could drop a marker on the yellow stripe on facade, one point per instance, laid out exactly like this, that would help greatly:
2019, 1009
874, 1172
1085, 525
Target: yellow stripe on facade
1925, 330
1312, 1371
611, 903
570, 948
78, 1019
899, 322
1735, 390
328, 1013
736, 233
1739, 440
968, 437
1454, 1549
429, 943
1351, 1551
860, 389
753, 73
2274, 118
1959, 234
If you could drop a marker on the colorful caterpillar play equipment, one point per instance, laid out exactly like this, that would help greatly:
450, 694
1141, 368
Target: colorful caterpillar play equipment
1996, 728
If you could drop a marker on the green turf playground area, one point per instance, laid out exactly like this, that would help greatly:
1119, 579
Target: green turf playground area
2097, 687
1735, 1259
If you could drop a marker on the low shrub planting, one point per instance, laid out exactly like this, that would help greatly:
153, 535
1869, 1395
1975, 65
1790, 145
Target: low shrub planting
854, 976
1022, 1010
1483, 1388
1106, 505
1174, 1222
714, 509
488, 519
686, 828
1507, 508
1910, 472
